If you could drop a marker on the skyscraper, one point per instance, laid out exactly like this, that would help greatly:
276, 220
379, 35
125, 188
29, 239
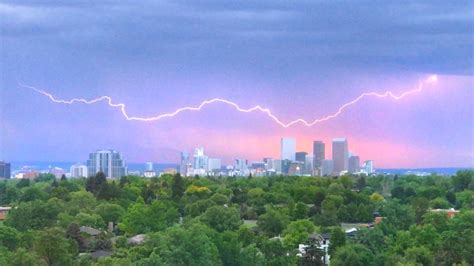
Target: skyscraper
107, 161
301, 156
369, 167
288, 149
183, 165
353, 164
78, 170
200, 159
309, 165
340, 154
149, 166
327, 167
319, 152
5, 171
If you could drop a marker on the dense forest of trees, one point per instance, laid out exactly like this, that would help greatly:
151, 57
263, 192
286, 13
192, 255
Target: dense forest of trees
237, 221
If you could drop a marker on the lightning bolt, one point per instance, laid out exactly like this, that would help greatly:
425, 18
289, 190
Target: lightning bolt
340, 110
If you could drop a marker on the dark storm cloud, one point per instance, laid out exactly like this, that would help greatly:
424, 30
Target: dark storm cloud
433, 36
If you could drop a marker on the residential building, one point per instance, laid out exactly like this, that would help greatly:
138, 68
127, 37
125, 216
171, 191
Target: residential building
184, 163
109, 162
368, 167
78, 170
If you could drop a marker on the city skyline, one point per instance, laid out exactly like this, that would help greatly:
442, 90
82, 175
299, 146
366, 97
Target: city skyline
298, 61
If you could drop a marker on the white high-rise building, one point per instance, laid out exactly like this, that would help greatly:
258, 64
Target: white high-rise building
78, 170
149, 166
368, 167
340, 154
309, 165
200, 159
214, 164
108, 162
288, 149
184, 163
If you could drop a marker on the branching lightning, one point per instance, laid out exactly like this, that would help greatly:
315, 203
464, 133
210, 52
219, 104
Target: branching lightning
267, 111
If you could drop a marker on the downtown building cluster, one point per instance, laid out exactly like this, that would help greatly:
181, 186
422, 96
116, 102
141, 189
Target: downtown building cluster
291, 162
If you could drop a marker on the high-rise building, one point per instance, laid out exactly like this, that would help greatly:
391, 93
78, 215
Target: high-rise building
213, 164
319, 152
269, 163
285, 166
340, 154
241, 166
296, 168
200, 159
368, 167
149, 166
5, 170
309, 165
277, 166
301, 156
183, 165
78, 170
353, 164
327, 168
109, 162
288, 149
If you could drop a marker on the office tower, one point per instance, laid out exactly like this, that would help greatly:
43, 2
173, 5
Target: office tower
369, 167
327, 167
5, 170
184, 162
200, 159
340, 154
309, 165
78, 170
109, 162
277, 166
269, 163
149, 166
353, 164
296, 168
288, 149
285, 166
319, 151
301, 156
214, 164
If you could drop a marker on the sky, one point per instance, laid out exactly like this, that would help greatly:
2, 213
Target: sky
300, 59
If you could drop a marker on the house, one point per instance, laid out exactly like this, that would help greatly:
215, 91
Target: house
3, 212
449, 212
323, 243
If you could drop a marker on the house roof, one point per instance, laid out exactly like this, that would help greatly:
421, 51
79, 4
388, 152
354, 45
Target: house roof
89, 230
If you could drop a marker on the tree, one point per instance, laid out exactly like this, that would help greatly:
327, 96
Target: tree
186, 246
177, 187
142, 218
251, 256
32, 215
222, 218
297, 232
313, 253
272, 222
53, 248
354, 255
462, 179
8, 237
110, 212
338, 239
